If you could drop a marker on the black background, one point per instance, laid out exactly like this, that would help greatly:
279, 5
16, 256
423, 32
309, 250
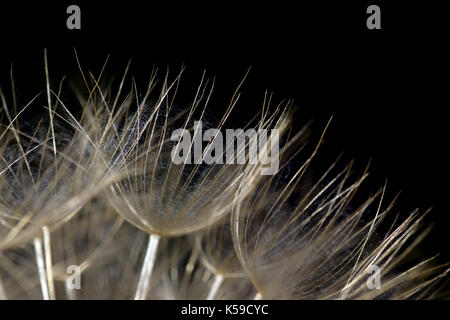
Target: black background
387, 89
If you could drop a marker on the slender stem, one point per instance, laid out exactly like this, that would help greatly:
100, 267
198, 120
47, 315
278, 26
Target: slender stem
48, 262
41, 268
147, 267
218, 279
2, 291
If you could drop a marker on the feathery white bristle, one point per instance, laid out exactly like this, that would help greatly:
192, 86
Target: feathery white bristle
99, 194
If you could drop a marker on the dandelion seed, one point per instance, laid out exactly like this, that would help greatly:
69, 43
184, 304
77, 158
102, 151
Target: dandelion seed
100, 192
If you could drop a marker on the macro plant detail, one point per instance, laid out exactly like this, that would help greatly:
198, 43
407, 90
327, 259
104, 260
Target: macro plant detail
98, 189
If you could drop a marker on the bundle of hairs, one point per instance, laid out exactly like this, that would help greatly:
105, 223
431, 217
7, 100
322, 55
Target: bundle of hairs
92, 207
